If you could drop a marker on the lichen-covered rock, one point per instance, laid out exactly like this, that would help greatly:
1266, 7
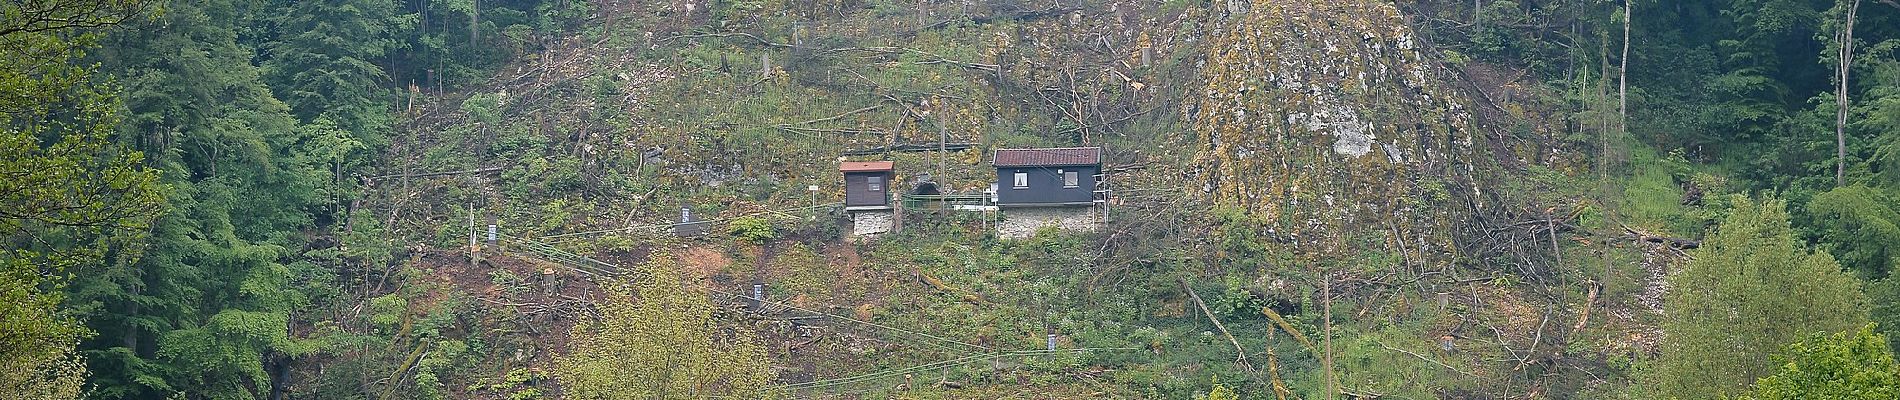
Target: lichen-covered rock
1326, 119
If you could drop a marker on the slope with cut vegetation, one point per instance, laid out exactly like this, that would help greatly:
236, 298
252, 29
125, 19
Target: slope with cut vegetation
1357, 199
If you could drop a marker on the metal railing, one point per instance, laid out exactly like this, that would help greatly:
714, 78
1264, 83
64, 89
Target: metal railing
943, 201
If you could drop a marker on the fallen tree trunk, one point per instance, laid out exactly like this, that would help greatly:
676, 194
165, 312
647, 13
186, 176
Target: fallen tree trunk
1646, 237
1217, 325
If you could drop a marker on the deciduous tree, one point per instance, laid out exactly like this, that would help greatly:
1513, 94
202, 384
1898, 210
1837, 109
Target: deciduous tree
1750, 289
68, 196
656, 339
1848, 365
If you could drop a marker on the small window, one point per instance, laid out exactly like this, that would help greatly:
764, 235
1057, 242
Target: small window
876, 183
1071, 179
1022, 180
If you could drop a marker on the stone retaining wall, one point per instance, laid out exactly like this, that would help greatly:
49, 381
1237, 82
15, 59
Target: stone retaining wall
870, 223
1018, 223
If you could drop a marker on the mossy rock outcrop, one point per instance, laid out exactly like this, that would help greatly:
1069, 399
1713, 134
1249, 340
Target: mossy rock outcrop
1332, 124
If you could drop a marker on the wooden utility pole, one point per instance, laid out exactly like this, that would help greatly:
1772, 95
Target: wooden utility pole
474, 247
1326, 290
943, 138
1846, 58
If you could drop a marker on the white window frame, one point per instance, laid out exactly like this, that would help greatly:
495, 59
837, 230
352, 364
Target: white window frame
1070, 179
1021, 180
876, 183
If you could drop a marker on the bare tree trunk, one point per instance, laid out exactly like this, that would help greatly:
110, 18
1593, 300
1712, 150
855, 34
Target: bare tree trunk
1623, 73
765, 66
943, 143
474, 22
1240, 351
1846, 37
1273, 369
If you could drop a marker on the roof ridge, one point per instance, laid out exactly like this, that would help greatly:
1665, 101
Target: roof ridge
1047, 156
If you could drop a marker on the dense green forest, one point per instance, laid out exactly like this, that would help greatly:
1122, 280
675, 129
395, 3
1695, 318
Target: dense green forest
1487, 199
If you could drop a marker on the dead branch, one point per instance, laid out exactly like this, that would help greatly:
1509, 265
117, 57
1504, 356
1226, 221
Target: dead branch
968, 296
1427, 359
1105, 124
808, 131
1281, 322
761, 40
1534, 342
836, 117
872, 49
1549, 222
1646, 237
991, 68
38, 17
1458, 281
1217, 325
1589, 301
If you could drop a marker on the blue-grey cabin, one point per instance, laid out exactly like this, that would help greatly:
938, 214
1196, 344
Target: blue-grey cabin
867, 184
1047, 177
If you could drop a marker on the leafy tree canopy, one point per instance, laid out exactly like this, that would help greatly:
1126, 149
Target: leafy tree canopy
1848, 365
1750, 287
655, 339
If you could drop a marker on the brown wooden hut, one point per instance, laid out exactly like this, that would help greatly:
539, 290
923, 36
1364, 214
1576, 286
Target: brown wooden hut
867, 185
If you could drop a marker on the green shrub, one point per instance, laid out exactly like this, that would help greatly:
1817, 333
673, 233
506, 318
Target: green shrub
753, 230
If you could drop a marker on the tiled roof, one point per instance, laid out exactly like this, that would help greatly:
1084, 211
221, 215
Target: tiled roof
864, 166
1048, 157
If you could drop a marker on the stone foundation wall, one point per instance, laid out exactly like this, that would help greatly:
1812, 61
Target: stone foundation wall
870, 223
1018, 223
